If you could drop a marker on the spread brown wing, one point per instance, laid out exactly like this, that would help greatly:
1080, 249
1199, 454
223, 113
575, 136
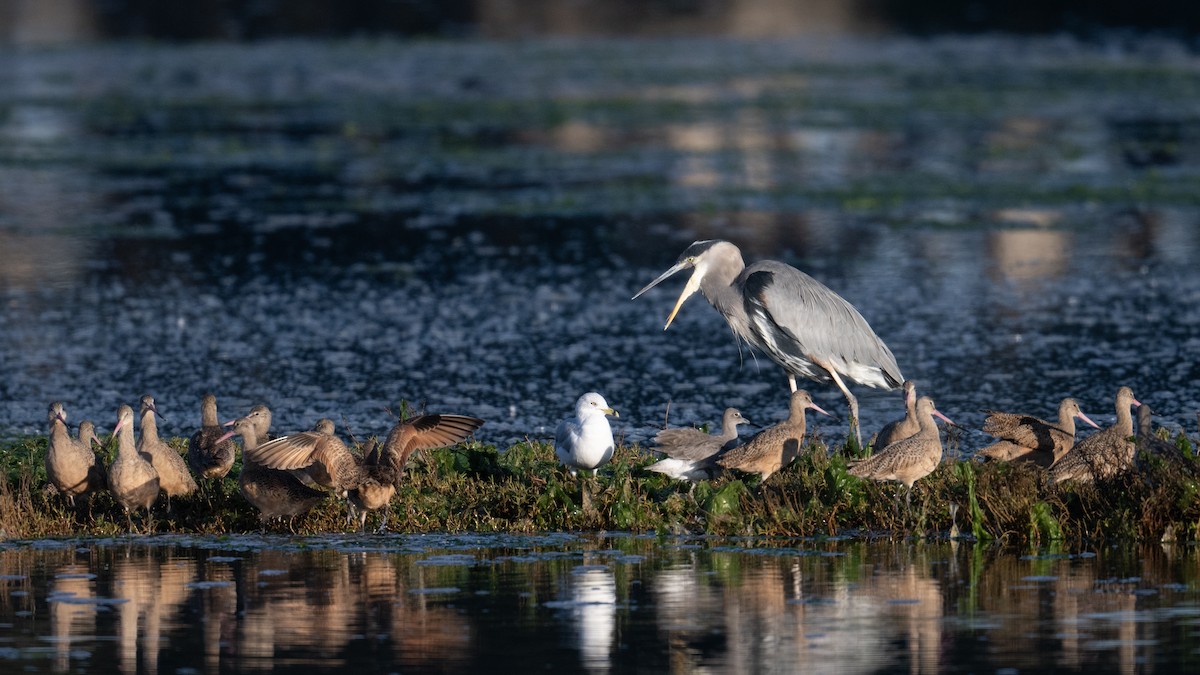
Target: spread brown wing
436, 431
426, 431
1025, 430
287, 452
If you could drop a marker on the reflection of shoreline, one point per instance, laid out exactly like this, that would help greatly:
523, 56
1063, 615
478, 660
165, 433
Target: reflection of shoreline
866, 607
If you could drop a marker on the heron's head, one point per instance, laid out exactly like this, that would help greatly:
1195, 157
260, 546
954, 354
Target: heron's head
697, 258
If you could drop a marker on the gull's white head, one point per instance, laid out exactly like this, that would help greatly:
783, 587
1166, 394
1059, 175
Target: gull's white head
592, 403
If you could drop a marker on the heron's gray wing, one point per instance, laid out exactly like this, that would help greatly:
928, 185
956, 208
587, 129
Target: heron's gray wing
799, 319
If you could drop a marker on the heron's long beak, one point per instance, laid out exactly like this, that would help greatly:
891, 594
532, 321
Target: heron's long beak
1087, 419
691, 287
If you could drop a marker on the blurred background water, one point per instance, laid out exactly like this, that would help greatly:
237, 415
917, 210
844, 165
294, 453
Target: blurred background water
404, 202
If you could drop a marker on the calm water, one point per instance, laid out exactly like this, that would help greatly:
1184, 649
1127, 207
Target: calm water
567, 603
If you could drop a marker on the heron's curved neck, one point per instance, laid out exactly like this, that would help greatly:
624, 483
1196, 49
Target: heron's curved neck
717, 285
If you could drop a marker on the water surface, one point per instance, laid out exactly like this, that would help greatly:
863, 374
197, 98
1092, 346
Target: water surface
334, 227
596, 603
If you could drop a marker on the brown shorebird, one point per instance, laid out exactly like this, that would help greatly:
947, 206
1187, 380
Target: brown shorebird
208, 458
1027, 438
131, 478
1151, 443
775, 447
1104, 454
71, 465
276, 494
173, 475
907, 460
343, 471
376, 490
692, 454
905, 426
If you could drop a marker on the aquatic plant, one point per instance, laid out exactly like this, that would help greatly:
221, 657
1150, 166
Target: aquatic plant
478, 487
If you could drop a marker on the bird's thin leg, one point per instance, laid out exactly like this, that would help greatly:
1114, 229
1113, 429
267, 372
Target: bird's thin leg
792, 382
908, 502
837, 379
383, 522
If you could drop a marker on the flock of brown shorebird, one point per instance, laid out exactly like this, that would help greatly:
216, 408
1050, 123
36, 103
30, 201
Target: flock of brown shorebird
795, 320
281, 477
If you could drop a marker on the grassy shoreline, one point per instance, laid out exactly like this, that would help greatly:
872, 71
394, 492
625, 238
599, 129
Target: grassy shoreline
475, 487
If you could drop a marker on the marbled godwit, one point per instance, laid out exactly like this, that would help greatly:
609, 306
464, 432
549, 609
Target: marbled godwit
1027, 438
905, 426
131, 478
376, 490
1104, 454
425, 432
775, 447
173, 475
330, 463
208, 458
910, 459
71, 465
276, 494
585, 441
690, 453
1152, 444
796, 320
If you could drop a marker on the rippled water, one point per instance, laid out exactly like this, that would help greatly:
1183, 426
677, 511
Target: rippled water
595, 603
332, 227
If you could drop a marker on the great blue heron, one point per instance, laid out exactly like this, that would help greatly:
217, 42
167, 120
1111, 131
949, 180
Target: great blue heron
795, 319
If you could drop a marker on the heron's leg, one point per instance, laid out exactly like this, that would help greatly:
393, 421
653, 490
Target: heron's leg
837, 379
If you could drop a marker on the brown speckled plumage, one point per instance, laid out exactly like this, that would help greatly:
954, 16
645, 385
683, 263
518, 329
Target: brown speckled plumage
1028, 438
1103, 454
775, 447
